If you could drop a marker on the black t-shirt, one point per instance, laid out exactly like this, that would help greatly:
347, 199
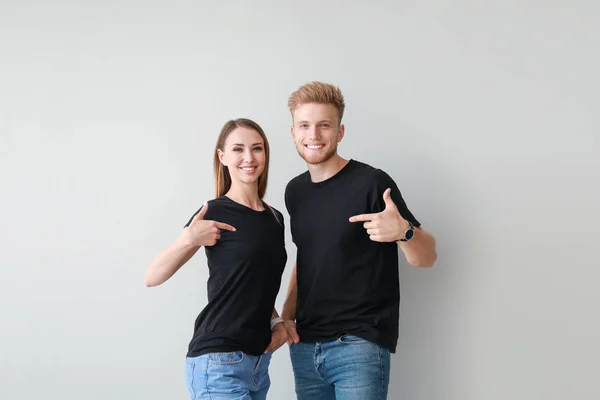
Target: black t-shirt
347, 284
245, 270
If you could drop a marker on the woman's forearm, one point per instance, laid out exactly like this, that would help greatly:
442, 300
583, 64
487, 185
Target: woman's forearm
168, 261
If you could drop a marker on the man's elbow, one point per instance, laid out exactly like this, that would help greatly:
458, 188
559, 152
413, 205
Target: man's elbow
149, 282
424, 262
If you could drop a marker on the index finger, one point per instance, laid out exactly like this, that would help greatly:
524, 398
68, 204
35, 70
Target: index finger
226, 227
362, 217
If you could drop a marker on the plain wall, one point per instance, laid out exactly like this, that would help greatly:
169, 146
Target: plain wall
485, 114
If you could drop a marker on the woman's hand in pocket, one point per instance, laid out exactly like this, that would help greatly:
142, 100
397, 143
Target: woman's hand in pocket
279, 336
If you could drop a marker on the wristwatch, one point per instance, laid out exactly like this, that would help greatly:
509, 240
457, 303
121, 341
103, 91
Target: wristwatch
410, 232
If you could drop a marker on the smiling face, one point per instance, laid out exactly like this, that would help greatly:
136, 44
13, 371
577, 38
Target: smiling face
244, 155
316, 132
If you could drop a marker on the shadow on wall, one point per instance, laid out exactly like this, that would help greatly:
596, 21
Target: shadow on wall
437, 192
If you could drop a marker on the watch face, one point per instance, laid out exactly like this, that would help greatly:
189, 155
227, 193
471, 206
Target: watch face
409, 234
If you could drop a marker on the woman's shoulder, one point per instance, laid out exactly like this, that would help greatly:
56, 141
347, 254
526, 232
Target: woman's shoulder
214, 205
270, 207
218, 201
276, 213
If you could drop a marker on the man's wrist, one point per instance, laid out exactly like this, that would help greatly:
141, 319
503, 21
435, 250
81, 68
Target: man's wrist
407, 234
286, 314
287, 317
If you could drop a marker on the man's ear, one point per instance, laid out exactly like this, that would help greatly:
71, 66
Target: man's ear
341, 131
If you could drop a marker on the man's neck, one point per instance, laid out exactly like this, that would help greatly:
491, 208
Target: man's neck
327, 169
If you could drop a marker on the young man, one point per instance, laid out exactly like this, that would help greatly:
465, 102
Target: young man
347, 220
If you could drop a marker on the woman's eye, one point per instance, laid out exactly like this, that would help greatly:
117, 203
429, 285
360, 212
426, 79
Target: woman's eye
237, 149
258, 148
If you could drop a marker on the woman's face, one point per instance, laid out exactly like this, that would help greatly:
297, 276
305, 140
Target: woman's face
244, 155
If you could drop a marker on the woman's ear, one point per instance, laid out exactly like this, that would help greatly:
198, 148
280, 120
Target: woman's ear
221, 156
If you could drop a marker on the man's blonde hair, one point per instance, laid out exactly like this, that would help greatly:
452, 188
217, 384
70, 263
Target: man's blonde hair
318, 92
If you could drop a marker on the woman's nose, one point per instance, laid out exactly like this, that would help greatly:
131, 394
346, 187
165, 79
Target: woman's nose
248, 156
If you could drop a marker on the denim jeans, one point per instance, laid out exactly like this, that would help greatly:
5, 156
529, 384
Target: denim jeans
349, 368
228, 376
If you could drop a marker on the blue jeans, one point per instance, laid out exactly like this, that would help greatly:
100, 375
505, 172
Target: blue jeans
349, 368
228, 376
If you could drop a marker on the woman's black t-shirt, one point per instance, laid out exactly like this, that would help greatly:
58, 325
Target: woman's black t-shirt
245, 270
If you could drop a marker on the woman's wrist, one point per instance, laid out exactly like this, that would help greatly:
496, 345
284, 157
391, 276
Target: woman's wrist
275, 321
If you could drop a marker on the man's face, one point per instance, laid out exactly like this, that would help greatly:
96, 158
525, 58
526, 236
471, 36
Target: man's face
316, 132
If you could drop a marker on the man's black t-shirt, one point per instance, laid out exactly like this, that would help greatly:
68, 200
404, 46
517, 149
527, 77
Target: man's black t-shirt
245, 269
347, 284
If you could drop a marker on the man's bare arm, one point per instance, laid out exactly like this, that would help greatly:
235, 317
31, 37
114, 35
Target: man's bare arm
288, 313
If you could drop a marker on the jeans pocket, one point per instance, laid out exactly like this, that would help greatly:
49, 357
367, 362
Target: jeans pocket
190, 366
262, 366
229, 358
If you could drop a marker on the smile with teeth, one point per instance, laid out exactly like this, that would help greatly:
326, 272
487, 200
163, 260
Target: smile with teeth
248, 169
314, 146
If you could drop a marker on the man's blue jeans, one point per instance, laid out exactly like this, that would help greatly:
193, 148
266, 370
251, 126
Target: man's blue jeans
349, 368
228, 376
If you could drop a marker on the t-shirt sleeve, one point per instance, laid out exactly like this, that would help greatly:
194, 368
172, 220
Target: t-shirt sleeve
288, 203
192, 217
286, 197
280, 219
384, 181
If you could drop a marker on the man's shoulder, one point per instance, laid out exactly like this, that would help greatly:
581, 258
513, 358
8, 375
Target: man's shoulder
299, 180
369, 172
294, 188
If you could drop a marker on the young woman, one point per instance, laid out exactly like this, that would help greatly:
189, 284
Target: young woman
235, 334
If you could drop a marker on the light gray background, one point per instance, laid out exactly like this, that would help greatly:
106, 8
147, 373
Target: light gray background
485, 113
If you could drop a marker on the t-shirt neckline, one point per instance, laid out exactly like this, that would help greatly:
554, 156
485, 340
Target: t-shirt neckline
345, 169
245, 207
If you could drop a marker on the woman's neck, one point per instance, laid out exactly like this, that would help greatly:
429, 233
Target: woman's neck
246, 194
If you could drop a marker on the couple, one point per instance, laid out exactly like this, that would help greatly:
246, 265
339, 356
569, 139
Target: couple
341, 313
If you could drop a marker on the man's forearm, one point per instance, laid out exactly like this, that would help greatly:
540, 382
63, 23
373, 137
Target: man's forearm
289, 307
420, 251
